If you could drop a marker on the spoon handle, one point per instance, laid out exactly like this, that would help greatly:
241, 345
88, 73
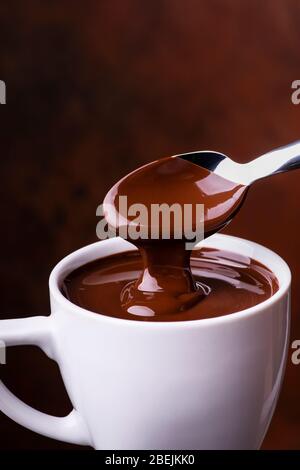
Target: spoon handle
277, 161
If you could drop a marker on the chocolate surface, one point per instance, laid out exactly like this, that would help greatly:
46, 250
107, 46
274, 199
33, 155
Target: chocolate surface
173, 180
230, 283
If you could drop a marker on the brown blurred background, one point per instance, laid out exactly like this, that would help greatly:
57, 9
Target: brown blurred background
97, 88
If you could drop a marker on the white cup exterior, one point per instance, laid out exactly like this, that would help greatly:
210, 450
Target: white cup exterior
201, 384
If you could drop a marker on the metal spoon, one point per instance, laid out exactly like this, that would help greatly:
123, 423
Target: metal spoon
277, 161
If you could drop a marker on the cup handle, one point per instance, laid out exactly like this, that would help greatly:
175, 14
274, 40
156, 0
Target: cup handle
37, 331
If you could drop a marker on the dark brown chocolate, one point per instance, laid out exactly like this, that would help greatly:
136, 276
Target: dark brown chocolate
166, 284
231, 283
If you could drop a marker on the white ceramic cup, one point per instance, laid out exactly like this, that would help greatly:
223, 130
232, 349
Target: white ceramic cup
201, 384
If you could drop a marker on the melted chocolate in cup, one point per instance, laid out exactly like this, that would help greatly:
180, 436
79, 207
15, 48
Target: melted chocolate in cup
231, 282
166, 285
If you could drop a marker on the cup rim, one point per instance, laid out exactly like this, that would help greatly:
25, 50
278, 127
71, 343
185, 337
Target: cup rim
70, 262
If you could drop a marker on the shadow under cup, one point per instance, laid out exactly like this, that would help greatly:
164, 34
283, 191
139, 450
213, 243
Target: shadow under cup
200, 384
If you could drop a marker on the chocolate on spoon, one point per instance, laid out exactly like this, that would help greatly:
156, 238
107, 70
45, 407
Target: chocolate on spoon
166, 284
